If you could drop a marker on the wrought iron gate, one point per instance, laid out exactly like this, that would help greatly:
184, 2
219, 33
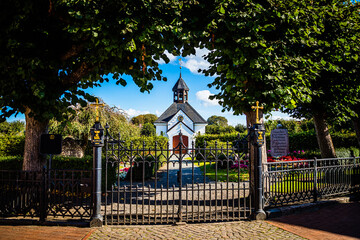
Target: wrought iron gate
151, 183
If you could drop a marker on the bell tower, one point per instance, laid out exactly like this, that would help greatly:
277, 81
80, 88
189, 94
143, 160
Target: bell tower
181, 91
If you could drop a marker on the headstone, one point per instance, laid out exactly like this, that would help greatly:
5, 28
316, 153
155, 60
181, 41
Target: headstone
279, 142
72, 148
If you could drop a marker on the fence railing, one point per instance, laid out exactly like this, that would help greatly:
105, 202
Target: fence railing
290, 182
42, 194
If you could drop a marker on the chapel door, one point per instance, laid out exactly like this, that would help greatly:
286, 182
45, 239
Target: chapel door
176, 143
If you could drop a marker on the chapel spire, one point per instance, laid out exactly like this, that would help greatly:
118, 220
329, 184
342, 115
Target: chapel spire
180, 90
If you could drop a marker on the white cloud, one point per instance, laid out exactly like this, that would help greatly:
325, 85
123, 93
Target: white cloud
133, 112
197, 61
191, 62
281, 117
203, 96
158, 113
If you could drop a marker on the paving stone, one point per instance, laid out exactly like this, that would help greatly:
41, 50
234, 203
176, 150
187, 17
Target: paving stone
229, 230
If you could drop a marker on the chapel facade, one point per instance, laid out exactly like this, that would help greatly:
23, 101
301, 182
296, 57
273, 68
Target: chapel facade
180, 117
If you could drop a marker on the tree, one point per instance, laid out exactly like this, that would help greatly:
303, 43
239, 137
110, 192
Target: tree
78, 123
144, 118
217, 120
279, 53
51, 50
12, 128
216, 129
240, 128
148, 130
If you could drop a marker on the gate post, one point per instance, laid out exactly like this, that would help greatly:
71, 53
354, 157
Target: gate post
180, 180
259, 140
97, 140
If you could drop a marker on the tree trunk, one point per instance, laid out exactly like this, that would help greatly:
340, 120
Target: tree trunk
33, 160
356, 122
323, 137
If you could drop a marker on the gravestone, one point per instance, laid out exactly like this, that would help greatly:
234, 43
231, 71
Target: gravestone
72, 148
279, 142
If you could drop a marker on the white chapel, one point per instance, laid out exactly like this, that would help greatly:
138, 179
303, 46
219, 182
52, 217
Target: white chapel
180, 117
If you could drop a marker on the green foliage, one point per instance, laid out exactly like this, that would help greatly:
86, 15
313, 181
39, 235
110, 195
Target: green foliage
146, 164
240, 128
217, 129
347, 152
11, 162
148, 130
58, 162
147, 142
307, 141
143, 119
51, 51
230, 137
217, 120
293, 126
286, 54
11, 145
12, 128
81, 119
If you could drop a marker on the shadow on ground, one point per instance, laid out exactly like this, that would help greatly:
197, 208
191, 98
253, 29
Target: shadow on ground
332, 222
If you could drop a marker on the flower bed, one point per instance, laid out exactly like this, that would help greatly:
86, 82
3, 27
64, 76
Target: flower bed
294, 156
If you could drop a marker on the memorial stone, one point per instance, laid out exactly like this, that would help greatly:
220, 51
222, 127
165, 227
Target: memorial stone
279, 142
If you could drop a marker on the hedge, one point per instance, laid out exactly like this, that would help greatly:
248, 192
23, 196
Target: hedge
308, 141
230, 137
298, 141
58, 162
11, 145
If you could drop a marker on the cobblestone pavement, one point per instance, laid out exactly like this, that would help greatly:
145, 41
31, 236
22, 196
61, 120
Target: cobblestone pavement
44, 233
339, 221
204, 231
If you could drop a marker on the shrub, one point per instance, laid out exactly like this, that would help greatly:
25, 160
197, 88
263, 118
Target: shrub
11, 162
307, 141
148, 130
229, 137
146, 164
11, 145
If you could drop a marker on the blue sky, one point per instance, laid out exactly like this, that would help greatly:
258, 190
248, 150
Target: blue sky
133, 102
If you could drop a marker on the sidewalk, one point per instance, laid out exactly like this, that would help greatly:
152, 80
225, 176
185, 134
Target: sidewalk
338, 221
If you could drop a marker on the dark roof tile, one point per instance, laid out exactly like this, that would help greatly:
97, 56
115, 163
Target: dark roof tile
186, 108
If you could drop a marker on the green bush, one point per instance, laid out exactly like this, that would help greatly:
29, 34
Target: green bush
145, 164
229, 137
59, 162
11, 162
148, 142
11, 145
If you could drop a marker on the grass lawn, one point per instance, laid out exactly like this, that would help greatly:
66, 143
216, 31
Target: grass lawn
222, 173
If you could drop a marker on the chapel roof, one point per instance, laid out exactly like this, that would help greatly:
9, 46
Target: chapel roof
186, 108
180, 85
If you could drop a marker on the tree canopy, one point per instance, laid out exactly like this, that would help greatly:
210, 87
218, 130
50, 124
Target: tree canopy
144, 118
217, 120
81, 119
275, 51
286, 54
52, 50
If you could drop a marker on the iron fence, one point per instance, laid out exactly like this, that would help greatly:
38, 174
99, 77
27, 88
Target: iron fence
289, 182
157, 184
42, 194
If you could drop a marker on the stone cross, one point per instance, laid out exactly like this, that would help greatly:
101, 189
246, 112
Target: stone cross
257, 111
97, 105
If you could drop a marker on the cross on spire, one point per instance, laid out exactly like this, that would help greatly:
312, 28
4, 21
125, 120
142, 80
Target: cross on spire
97, 105
180, 63
257, 111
